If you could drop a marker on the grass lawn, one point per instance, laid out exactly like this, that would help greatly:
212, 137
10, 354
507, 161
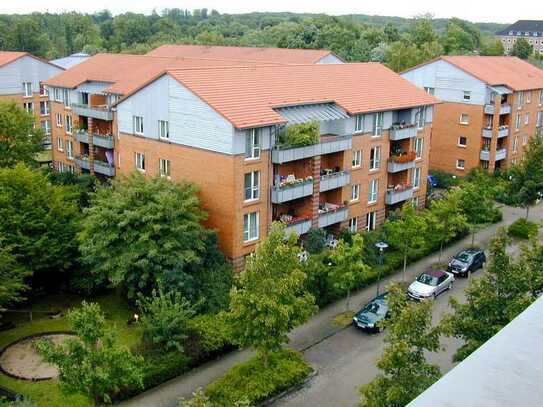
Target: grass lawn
47, 393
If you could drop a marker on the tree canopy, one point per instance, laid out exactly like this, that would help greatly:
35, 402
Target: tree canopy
522, 49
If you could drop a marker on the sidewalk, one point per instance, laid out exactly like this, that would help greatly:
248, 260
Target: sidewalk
318, 328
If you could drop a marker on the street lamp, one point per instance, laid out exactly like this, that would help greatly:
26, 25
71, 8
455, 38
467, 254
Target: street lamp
381, 246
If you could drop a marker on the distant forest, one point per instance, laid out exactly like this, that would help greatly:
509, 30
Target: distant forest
396, 41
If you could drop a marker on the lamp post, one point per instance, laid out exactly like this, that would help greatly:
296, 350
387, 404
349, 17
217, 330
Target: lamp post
381, 246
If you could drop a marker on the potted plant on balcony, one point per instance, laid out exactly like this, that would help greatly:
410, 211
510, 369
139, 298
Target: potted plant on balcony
404, 157
299, 135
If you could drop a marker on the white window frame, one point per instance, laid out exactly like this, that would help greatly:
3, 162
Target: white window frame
378, 124
373, 191
29, 107
163, 130
359, 123
464, 115
137, 122
524, 140
539, 121
59, 119
251, 192
430, 90
251, 226
520, 99
68, 124
458, 167
526, 118
43, 90
60, 144
518, 122
515, 144
57, 94
371, 221
69, 150
139, 161
528, 96
353, 225
47, 127
415, 178
419, 148
46, 110
541, 97
252, 144
465, 139
164, 167
355, 192
27, 89
357, 159
66, 98
421, 117
467, 95
375, 162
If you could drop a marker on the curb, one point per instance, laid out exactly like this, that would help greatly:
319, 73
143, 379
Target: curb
290, 390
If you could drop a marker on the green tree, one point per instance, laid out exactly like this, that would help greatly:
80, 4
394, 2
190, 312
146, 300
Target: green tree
405, 373
270, 299
492, 47
406, 233
492, 300
165, 318
526, 182
93, 364
140, 232
348, 267
456, 40
12, 276
477, 206
422, 30
39, 223
20, 140
522, 49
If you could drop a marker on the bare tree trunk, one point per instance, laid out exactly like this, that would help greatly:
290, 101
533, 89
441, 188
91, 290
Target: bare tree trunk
527, 211
348, 303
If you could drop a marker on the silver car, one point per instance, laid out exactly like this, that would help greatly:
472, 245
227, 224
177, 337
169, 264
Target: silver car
430, 284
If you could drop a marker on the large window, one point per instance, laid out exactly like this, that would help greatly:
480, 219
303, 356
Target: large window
378, 122
60, 144
46, 126
355, 192
520, 99
252, 186
357, 158
163, 129
353, 225
419, 147
541, 97
44, 108
460, 164
518, 121
140, 161
29, 107
57, 93
359, 123
527, 118
515, 144
59, 119
371, 220
27, 89
164, 167
375, 158
373, 191
528, 96
416, 177
464, 118
252, 144
68, 121
250, 226
539, 122
138, 125
69, 149
462, 141
66, 97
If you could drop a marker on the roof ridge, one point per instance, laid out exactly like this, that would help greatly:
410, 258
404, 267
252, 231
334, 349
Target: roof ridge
245, 47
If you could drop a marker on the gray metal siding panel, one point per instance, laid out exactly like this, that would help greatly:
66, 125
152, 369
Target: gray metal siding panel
25, 69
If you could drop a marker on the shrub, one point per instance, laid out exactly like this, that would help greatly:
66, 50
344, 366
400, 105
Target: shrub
209, 332
298, 135
444, 179
315, 241
160, 366
523, 229
255, 382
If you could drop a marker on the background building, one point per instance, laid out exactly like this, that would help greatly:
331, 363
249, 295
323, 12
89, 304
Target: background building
530, 30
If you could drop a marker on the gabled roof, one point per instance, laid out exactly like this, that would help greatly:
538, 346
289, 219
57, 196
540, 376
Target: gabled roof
512, 72
70, 60
250, 54
247, 96
524, 26
7, 57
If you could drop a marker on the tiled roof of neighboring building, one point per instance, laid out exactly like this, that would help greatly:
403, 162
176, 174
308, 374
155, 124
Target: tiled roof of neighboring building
524, 26
246, 96
251, 54
71, 60
7, 57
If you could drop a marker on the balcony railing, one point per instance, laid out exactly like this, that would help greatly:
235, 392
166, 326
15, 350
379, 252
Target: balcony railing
505, 109
401, 133
487, 133
97, 139
100, 167
289, 192
489, 109
334, 180
332, 214
298, 226
83, 162
501, 154
102, 112
395, 196
503, 131
485, 155
327, 145
402, 162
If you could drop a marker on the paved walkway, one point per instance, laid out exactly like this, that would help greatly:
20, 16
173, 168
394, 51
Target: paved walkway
317, 329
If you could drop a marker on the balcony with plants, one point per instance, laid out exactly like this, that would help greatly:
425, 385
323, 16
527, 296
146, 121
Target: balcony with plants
296, 215
401, 158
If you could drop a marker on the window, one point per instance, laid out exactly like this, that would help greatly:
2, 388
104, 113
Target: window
60, 144
539, 122
518, 121
375, 158
526, 118
520, 99
460, 164
44, 108
68, 121
462, 141
138, 125
252, 186
46, 126
371, 220
528, 96
421, 117
373, 191
66, 97
353, 225
431, 91
359, 123
43, 90
541, 97
415, 202
69, 149
467, 95
416, 177
378, 120
524, 140
58, 94
357, 158
355, 192
515, 144
252, 144
140, 161
59, 119
164, 167
27, 89
464, 118
419, 147
29, 107
84, 98
250, 226
163, 129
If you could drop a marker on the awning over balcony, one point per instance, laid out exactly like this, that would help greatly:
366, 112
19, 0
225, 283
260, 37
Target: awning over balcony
307, 113
501, 90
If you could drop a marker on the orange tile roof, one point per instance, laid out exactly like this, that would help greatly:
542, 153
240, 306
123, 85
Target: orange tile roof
126, 72
7, 57
250, 54
246, 96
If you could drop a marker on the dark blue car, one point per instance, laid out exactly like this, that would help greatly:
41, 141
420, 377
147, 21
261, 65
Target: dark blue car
370, 317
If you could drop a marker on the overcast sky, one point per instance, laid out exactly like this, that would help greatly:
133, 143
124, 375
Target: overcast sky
500, 11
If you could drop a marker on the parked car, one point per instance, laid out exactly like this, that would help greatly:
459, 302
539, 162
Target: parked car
466, 261
430, 284
372, 314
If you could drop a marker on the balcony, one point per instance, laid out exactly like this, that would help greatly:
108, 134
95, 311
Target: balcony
395, 196
397, 133
485, 155
327, 145
330, 214
489, 109
100, 167
402, 162
298, 226
105, 141
505, 109
501, 154
334, 180
487, 133
83, 162
102, 112
503, 131
290, 191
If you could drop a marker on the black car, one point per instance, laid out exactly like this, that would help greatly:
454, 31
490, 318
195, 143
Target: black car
372, 314
466, 261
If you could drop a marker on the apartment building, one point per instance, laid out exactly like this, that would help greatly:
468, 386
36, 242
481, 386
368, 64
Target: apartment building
491, 107
220, 128
530, 30
21, 77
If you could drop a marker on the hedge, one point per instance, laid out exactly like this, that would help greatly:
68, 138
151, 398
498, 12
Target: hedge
523, 229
